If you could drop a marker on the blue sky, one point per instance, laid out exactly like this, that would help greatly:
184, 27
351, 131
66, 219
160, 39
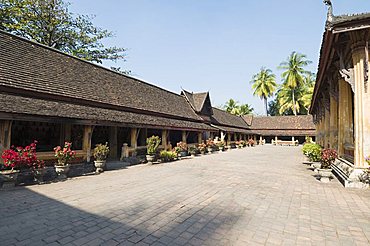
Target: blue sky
212, 45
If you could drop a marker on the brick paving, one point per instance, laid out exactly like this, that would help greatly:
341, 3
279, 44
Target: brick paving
253, 196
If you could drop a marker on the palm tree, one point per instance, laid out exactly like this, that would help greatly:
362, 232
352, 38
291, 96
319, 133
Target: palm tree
264, 85
294, 73
308, 88
243, 109
231, 105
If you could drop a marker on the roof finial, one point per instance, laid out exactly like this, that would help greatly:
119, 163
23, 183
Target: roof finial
330, 17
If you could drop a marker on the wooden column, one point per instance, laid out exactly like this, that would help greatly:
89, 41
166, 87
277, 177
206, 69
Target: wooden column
164, 139
184, 137
361, 101
68, 132
86, 144
200, 137
326, 134
228, 139
343, 115
333, 123
113, 142
133, 138
211, 135
5, 136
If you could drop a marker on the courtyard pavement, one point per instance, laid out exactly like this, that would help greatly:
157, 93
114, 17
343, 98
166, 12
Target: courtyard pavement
254, 196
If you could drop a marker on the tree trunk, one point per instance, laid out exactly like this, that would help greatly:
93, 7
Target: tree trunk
265, 100
294, 108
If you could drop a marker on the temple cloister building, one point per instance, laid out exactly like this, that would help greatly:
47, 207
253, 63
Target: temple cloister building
52, 97
341, 99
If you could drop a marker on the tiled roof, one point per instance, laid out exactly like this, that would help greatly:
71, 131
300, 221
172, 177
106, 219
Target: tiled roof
32, 107
223, 118
196, 100
347, 19
299, 122
38, 69
286, 133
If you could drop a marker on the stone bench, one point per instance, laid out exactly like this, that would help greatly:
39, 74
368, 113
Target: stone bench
287, 143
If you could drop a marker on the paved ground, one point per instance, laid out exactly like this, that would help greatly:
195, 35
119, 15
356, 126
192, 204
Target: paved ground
254, 196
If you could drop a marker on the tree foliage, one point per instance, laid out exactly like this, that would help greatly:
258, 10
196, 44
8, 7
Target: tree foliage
233, 107
49, 22
284, 104
264, 85
293, 75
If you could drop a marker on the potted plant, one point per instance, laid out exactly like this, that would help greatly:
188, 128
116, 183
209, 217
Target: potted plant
313, 153
17, 159
64, 155
38, 169
328, 156
12, 164
210, 145
202, 148
152, 145
221, 146
167, 156
193, 151
100, 153
183, 149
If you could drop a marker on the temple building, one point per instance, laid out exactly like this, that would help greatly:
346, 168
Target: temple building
341, 99
52, 97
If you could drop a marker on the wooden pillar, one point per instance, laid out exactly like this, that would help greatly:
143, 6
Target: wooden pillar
255, 139
184, 138
228, 139
333, 123
361, 101
133, 138
86, 144
342, 116
68, 132
164, 139
211, 135
318, 131
65, 133
326, 129
200, 137
5, 136
113, 142
261, 139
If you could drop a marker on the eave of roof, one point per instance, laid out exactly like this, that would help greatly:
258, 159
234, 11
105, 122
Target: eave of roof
61, 111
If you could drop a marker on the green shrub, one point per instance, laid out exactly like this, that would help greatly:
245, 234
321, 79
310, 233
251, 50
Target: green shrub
167, 156
152, 144
312, 151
